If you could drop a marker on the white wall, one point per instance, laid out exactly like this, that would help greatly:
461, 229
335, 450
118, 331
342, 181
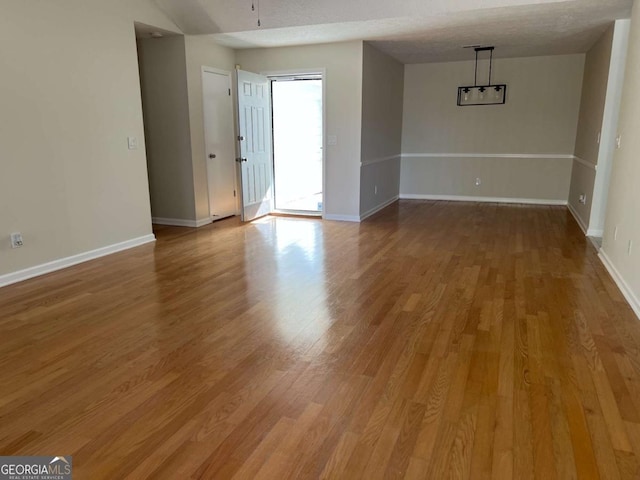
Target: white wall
163, 78
624, 194
70, 99
343, 64
520, 150
594, 92
610, 118
382, 100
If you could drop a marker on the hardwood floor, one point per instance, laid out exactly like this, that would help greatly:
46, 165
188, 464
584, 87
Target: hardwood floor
434, 340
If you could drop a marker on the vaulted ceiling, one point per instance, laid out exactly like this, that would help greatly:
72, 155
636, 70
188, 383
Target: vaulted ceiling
412, 31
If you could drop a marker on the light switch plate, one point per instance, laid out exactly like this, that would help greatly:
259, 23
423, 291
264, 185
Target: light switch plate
332, 140
132, 142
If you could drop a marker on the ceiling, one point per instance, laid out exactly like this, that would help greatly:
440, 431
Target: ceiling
144, 31
412, 31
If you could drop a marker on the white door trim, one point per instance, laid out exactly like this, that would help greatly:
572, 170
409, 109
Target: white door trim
270, 74
215, 70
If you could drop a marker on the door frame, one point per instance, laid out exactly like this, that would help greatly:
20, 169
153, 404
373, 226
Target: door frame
230, 77
301, 72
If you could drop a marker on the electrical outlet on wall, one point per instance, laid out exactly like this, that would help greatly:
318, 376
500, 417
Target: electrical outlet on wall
582, 199
16, 240
478, 182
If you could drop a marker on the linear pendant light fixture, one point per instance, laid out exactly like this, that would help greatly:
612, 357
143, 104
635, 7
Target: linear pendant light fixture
482, 94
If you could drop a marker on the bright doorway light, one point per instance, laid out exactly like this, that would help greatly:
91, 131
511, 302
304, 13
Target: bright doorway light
297, 144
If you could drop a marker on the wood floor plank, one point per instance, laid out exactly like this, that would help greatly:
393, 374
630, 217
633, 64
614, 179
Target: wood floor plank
434, 340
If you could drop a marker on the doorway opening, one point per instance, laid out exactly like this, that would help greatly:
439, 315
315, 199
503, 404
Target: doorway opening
297, 112
166, 140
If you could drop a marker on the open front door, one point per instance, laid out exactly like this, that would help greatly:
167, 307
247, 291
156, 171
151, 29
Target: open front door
254, 118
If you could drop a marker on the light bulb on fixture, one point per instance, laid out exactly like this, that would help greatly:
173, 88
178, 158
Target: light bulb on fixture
482, 90
498, 90
466, 94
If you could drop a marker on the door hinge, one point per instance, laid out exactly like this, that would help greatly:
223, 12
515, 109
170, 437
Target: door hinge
240, 138
229, 92
234, 193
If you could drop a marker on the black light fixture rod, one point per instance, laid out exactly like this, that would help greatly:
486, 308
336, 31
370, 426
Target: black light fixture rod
475, 78
483, 49
490, 64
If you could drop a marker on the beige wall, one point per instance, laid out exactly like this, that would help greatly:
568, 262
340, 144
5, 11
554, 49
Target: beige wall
583, 178
177, 159
532, 179
624, 194
71, 97
382, 97
382, 94
594, 92
202, 51
343, 86
538, 121
166, 123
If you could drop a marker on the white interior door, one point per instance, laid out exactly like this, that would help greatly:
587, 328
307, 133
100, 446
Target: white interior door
256, 169
219, 142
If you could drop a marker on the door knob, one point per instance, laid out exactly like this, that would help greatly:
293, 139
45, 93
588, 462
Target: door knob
240, 160
212, 155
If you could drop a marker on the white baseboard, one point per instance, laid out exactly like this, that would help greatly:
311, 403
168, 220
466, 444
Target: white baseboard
578, 219
179, 222
377, 208
341, 218
203, 222
621, 283
61, 263
459, 198
589, 232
